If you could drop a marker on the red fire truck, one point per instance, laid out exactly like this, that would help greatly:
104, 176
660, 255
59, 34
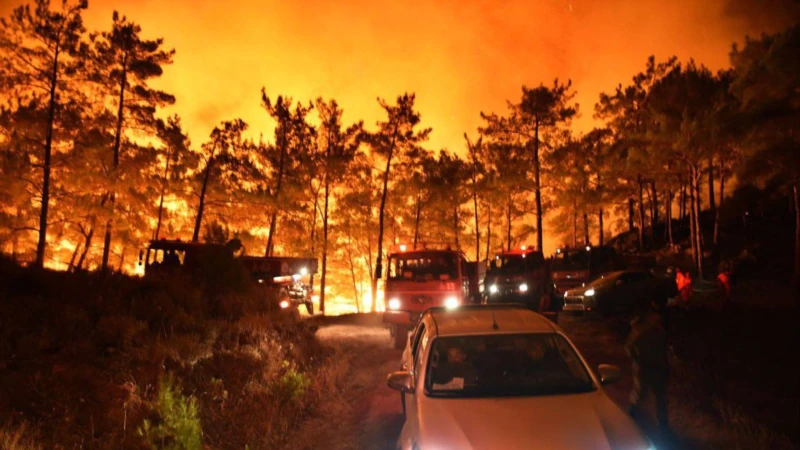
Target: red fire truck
428, 274
572, 267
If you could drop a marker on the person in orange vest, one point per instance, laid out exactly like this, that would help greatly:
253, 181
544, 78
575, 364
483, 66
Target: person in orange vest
724, 283
684, 282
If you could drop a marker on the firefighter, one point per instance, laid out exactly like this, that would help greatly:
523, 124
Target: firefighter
647, 346
684, 284
724, 283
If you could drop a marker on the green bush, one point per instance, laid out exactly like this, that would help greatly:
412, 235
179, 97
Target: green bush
179, 425
293, 382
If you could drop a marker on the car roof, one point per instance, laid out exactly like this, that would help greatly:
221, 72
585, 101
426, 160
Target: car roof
480, 319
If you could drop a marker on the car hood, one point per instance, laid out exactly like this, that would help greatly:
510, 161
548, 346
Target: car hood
576, 421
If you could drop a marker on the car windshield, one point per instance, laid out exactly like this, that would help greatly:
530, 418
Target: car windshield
423, 266
571, 260
505, 365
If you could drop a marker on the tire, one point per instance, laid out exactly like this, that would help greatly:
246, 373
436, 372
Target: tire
310, 308
400, 337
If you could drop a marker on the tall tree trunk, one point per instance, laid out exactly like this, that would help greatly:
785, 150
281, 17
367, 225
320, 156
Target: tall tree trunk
692, 230
682, 201
71, 264
273, 220
538, 185
455, 225
574, 223
719, 207
356, 290
669, 217
600, 219
699, 207
488, 230
641, 213
416, 220
508, 223
201, 206
379, 260
324, 246
86, 246
164, 183
48, 150
586, 239
477, 224
630, 214
314, 232
117, 143
711, 201
698, 227
655, 206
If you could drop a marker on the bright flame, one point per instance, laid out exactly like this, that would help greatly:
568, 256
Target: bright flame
402, 247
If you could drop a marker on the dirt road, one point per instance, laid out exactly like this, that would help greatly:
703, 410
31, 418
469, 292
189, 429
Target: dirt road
362, 413
365, 414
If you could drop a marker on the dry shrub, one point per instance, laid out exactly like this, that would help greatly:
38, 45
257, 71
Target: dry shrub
17, 437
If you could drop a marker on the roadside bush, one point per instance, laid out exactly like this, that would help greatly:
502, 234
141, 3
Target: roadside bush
293, 383
178, 426
17, 437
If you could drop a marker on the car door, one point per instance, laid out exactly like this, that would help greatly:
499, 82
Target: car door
411, 426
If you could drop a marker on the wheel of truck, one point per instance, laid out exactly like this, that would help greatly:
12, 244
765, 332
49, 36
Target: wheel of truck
310, 307
400, 337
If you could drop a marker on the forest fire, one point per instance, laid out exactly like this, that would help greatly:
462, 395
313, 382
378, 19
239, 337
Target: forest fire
173, 190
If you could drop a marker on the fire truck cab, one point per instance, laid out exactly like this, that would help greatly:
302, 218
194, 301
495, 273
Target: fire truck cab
522, 276
419, 277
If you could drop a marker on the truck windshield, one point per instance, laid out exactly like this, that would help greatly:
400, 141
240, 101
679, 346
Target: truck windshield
505, 365
517, 264
423, 266
571, 260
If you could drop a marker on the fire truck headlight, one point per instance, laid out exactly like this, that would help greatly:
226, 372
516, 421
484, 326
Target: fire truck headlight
523, 287
394, 304
451, 302
284, 304
303, 271
493, 289
589, 293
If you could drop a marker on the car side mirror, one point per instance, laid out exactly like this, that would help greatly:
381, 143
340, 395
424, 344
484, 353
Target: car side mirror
609, 373
401, 381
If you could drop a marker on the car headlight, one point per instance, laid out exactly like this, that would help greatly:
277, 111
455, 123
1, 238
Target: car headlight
589, 293
451, 302
284, 304
523, 287
394, 303
493, 289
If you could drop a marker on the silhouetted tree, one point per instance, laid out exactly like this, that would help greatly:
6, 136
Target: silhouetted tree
41, 49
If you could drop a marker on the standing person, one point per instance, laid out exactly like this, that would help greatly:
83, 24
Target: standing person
647, 346
724, 283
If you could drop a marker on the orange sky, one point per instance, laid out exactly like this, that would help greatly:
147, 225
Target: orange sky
459, 56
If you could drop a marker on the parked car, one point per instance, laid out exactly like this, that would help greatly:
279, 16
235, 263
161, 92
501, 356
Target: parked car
612, 293
503, 376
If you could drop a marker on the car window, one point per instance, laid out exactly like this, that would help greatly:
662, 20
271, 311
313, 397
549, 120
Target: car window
418, 357
507, 364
